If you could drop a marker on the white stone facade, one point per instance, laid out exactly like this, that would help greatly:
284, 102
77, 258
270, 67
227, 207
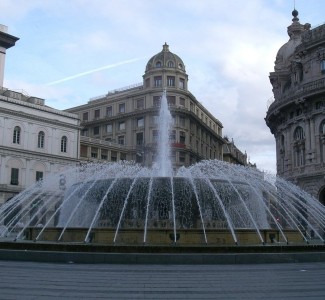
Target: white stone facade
35, 141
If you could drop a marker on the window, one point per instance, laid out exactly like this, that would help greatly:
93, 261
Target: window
155, 135
113, 156
155, 120
39, 175
156, 101
170, 80
120, 139
121, 108
171, 100
83, 151
322, 129
104, 154
121, 126
139, 138
158, 64
40, 140
182, 157
140, 104
14, 176
85, 132
182, 121
181, 83
97, 114
170, 64
181, 101
94, 152
322, 66
109, 111
172, 136
173, 156
157, 81
180, 66
123, 156
140, 122
96, 130
16, 135
85, 116
109, 128
64, 142
182, 137
299, 134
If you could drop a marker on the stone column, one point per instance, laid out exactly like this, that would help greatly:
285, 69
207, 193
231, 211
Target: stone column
307, 135
312, 135
6, 41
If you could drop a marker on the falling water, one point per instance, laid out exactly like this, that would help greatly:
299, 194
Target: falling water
210, 196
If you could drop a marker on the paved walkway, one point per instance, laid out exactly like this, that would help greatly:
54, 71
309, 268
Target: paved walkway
32, 280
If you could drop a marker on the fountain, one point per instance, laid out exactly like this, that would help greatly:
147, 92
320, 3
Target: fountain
209, 203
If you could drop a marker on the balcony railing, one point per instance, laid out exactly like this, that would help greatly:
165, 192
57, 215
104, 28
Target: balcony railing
102, 142
304, 90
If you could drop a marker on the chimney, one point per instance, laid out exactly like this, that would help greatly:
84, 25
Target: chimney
6, 42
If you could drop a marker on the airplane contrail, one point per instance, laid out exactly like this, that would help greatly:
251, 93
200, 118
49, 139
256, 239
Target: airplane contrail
95, 70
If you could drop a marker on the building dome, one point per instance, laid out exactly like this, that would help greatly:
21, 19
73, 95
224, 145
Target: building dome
284, 54
165, 59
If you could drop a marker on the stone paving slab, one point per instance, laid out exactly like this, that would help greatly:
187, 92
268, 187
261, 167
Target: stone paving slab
35, 280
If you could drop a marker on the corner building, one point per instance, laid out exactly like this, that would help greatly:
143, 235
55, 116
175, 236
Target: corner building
123, 124
296, 117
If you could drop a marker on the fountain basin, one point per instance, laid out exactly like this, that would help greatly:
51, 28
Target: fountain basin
185, 237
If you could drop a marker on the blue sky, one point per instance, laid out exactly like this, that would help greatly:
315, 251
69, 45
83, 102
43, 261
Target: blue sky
71, 51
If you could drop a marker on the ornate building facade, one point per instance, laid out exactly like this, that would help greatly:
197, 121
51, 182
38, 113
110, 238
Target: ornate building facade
123, 124
297, 115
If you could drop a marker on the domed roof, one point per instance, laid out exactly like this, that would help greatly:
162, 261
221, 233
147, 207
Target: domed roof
165, 59
295, 31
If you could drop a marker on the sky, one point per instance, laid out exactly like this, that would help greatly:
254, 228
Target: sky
72, 51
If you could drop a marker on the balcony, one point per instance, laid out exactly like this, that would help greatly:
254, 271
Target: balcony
291, 95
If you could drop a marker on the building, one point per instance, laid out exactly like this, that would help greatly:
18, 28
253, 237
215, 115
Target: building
35, 140
233, 155
123, 124
296, 117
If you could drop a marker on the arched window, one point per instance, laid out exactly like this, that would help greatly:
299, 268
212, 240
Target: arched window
170, 64
299, 134
322, 196
40, 140
322, 66
158, 64
322, 127
64, 142
16, 135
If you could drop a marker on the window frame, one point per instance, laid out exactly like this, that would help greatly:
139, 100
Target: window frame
16, 135
121, 108
14, 176
64, 144
41, 140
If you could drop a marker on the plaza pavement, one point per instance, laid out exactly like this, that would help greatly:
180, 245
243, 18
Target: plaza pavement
36, 280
